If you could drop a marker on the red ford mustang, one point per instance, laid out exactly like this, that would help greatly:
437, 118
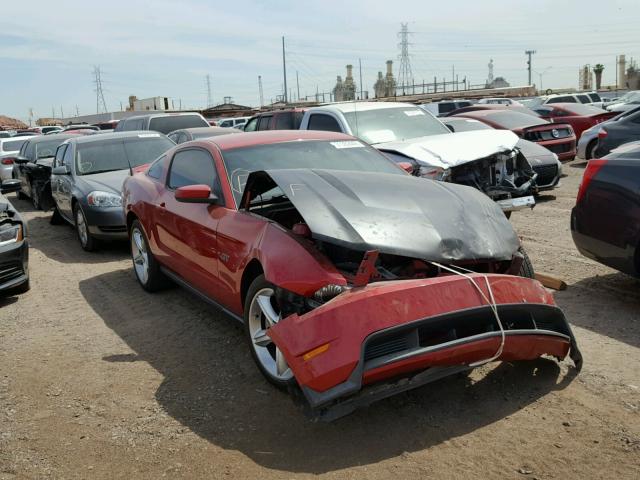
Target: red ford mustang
353, 279
578, 115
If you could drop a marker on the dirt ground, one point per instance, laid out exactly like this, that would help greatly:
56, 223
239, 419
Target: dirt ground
99, 379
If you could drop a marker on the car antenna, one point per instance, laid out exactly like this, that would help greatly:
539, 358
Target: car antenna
128, 162
355, 115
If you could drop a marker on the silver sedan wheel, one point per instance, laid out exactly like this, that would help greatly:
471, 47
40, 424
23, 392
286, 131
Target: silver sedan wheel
262, 316
81, 226
140, 256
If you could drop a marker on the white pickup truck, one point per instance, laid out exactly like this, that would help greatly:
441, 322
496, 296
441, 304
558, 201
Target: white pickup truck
485, 159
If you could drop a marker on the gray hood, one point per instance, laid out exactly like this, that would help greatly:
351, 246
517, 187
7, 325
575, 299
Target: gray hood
453, 149
106, 182
394, 214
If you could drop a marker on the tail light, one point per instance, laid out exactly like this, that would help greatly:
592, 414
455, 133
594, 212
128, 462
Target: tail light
7, 161
593, 167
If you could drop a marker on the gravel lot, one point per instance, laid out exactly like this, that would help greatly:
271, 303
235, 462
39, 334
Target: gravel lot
101, 380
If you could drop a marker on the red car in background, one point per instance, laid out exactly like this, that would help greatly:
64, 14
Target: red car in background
581, 117
354, 280
557, 137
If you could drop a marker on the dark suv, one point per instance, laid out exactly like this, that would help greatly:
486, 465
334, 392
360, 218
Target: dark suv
161, 122
276, 120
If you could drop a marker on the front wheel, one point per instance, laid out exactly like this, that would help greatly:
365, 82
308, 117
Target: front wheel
87, 242
261, 312
526, 269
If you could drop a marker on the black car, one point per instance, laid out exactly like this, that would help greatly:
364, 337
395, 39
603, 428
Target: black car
14, 245
32, 166
188, 134
623, 130
87, 176
605, 223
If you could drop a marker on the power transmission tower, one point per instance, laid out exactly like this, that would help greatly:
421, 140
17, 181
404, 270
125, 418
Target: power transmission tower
99, 91
209, 102
284, 71
529, 66
405, 76
260, 90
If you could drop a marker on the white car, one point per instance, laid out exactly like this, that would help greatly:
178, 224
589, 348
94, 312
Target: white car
235, 122
487, 160
500, 101
586, 98
628, 101
439, 109
9, 148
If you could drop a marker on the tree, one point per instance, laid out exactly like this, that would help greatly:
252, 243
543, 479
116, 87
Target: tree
598, 72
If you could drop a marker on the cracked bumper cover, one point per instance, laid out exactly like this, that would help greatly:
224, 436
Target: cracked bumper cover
432, 328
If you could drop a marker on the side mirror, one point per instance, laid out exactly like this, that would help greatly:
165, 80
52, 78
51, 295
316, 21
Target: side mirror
406, 166
20, 160
196, 194
450, 127
9, 186
61, 170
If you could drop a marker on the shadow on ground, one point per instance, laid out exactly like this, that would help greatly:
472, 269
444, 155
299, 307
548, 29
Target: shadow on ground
605, 304
211, 386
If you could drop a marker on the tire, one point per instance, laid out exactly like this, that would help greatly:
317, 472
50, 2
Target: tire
590, 150
56, 218
256, 323
35, 198
526, 269
145, 266
87, 242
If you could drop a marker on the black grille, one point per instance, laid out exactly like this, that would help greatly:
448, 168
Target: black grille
559, 148
116, 229
460, 325
542, 135
10, 271
546, 174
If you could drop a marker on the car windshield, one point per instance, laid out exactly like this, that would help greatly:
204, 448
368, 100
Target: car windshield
13, 145
176, 122
47, 149
332, 155
393, 124
510, 119
119, 154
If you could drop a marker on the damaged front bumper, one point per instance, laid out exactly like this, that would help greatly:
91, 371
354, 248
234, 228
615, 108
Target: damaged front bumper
515, 204
390, 337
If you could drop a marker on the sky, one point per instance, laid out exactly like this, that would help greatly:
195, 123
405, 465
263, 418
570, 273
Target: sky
48, 50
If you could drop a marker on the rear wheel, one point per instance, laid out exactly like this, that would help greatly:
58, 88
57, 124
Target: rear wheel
87, 242
590, 150
261, 312
526, 269
145, 266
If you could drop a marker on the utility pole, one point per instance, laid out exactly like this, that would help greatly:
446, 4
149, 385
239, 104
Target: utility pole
260, 91
298, 85
99, 91
30, 115
284, 71
53, 112
61, 112
405, 77
209, 103
78, 110
529, 53
360, 66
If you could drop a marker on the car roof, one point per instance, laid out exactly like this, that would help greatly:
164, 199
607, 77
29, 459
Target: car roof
164, 114
205, 129
116, 135
48, 138
266, 137
348, 107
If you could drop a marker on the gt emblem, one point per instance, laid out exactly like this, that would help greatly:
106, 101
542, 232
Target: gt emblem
555, 133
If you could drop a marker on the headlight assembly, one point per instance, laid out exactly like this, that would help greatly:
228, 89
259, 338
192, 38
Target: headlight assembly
10, 233
104, 199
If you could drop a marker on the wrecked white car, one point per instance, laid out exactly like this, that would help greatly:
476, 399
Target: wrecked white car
486, 160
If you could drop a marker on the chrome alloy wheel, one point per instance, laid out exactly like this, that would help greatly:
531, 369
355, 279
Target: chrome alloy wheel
262, 316
140, 255
81, 226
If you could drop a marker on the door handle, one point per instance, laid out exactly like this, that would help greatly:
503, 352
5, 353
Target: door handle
162, 205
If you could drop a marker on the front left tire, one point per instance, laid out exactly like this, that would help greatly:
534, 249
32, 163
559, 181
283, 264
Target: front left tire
87, 242
145, 265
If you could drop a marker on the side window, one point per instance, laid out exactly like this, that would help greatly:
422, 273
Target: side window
584, 99
59, 154
173, 137
284, 121
251, 125
447, 107
323, 122
192, 167
155, 170
183, 137
264, 122
67, 159
28, 150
